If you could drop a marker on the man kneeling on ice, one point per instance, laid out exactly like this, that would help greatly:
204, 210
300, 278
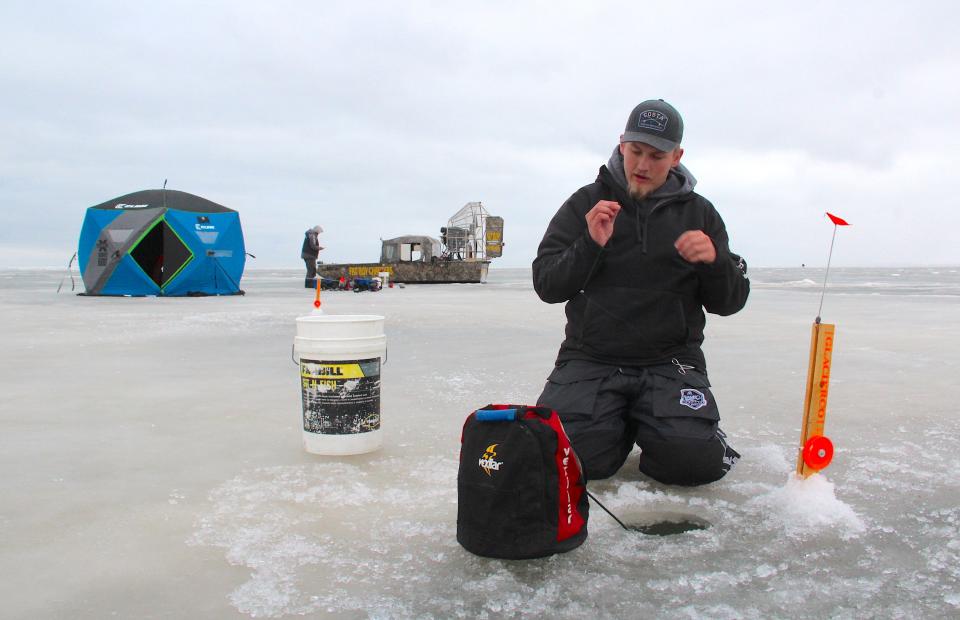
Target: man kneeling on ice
638, 256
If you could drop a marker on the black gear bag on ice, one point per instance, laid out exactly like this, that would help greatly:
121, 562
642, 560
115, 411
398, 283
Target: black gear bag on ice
520, 487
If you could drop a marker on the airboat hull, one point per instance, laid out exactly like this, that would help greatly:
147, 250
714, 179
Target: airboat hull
434, 272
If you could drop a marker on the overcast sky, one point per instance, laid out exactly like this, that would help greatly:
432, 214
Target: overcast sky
377, 119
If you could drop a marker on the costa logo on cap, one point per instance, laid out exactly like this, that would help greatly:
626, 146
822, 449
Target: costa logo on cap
652, 119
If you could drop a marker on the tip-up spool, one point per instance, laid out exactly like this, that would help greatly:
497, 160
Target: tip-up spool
818, 452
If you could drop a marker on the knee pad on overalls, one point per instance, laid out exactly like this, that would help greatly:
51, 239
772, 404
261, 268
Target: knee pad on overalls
687, 462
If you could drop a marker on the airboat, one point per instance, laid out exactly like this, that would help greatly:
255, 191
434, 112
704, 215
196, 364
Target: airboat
471, 238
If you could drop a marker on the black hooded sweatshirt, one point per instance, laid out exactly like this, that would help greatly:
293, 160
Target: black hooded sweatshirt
636, 302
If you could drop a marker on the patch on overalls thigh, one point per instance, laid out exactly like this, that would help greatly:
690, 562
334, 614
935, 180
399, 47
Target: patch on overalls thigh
680, 400
693, 398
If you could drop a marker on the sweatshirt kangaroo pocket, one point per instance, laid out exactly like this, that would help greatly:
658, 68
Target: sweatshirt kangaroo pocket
633, 323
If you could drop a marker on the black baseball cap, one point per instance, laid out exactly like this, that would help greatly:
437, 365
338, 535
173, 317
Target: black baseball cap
655, 122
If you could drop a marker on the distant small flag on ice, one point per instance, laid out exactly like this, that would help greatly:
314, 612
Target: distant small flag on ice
839, 221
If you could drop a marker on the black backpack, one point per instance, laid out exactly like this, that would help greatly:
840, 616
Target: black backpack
520, 487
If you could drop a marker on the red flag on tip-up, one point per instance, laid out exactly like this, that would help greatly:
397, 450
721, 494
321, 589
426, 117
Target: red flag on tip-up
839, 221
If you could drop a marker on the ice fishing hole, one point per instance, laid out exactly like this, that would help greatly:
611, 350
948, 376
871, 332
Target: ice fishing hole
664, 524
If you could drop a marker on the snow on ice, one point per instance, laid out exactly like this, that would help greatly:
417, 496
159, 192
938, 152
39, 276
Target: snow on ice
155, 468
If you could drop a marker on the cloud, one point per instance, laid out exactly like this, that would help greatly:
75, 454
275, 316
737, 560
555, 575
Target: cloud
775, 201
383, 119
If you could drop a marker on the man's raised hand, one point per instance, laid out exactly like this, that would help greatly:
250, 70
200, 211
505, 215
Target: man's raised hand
600, 221
695, 246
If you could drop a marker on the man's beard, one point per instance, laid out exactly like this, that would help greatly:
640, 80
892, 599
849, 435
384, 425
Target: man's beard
638, 193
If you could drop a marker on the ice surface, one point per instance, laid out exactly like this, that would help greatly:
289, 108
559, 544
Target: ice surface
810, 506
154, 468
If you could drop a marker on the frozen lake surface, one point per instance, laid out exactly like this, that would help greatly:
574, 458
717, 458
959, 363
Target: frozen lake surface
153, 466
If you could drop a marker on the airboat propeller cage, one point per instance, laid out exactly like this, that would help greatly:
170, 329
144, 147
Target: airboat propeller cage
161, 242
472, 233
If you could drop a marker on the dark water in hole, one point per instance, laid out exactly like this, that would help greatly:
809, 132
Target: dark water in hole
669, 528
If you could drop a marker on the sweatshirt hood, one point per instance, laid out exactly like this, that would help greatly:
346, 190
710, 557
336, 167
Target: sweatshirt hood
680, 181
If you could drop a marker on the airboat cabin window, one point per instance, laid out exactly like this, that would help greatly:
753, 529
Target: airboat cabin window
411, 252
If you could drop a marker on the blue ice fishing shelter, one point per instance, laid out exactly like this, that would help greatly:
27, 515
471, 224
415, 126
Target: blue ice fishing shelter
161, 242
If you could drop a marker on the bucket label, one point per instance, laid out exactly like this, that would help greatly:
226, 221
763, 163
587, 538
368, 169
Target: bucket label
341, 397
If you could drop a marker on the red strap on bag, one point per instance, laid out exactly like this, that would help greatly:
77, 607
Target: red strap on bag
568, 467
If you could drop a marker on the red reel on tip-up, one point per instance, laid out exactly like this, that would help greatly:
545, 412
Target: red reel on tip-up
818, 452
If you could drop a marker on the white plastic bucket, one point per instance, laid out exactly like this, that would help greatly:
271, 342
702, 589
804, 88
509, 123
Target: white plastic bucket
339, 357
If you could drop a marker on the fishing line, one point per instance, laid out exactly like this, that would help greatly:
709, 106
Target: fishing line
597, 502
823, 291
837, 222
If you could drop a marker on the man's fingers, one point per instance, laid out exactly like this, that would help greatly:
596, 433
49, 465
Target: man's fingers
691, 240
600, 220
695, 246
604, 212
687, 238
606, 206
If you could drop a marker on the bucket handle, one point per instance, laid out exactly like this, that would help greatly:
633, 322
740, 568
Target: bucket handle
296, 362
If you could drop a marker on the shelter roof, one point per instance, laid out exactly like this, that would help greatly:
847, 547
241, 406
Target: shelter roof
169, 198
